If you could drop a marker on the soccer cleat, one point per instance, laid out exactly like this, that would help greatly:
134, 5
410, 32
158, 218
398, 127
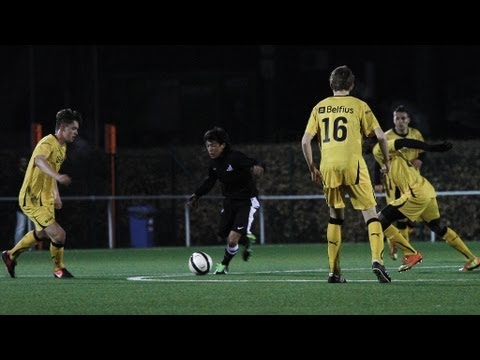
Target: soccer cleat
247, 252
336, 279
409, 261
381, 272
221, 269
252, 238
62, 273
468, 266
9, 263
393, 250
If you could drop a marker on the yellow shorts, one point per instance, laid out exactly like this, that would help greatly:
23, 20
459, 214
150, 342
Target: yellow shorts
41, 216
362, 196
425, 209
390, 190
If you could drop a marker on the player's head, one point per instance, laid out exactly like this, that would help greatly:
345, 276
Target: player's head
216, 140
67, 124
342, 78
401, 119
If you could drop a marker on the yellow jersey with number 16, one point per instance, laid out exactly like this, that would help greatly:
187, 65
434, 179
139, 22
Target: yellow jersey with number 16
340, 123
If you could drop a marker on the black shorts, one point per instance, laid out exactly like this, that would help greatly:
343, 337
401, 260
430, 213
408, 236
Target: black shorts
237, 215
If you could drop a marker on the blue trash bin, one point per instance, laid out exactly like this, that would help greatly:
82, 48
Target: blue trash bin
142, 225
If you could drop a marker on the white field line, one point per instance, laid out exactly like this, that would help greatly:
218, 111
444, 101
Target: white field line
210, 278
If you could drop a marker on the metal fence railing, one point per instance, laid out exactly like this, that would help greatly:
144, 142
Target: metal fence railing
110, 202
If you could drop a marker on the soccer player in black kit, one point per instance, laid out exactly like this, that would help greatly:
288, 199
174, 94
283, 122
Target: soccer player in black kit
236, 173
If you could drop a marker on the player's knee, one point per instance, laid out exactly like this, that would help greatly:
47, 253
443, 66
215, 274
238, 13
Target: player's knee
59, 237
384, 220
372, 220
388, 215
437, 227
57, 245
40, 236
335, 221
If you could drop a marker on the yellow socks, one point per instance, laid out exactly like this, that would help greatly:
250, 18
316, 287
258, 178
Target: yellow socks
334, 239
24, 244
457, 243
56, 253
395, 235
375, 235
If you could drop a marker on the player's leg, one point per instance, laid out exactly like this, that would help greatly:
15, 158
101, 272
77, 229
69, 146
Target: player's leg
31, 238
334, 199
362, 197
391, 193
334, 245
387, 216
245, 213
402, 226
227, 217
398, 211
28, 240
405, 232
230, 251
250, 237
41, 217
57, 247
432, 218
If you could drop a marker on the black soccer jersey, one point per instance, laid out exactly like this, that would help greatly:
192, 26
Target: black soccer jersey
234, 171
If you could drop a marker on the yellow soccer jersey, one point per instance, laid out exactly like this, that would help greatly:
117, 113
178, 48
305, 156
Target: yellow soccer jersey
340, 122
403, 174
409, 154
37, 188
414, 134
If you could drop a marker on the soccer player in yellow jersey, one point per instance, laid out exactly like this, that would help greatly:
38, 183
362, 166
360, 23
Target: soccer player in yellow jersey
39, 196
340, 122
401, 130
417, 202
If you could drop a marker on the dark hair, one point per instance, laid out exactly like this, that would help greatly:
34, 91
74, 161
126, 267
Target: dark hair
341, 78
217, 134
401, 108
67, 116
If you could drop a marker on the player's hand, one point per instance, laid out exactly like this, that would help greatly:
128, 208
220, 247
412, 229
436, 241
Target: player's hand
443, 147
379, 188
316, 176
257, 170
58, 203
193, 201
385, 167
417, 163
64, 179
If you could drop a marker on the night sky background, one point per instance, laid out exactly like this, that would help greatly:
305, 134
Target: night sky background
160, 95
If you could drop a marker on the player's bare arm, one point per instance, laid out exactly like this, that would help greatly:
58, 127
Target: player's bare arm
307, 153
57, 200
42, 163
383, 143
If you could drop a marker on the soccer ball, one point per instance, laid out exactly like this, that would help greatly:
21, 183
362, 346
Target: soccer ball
200, 263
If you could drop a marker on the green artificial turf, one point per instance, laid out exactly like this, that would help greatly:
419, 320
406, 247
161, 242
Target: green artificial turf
279, 280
